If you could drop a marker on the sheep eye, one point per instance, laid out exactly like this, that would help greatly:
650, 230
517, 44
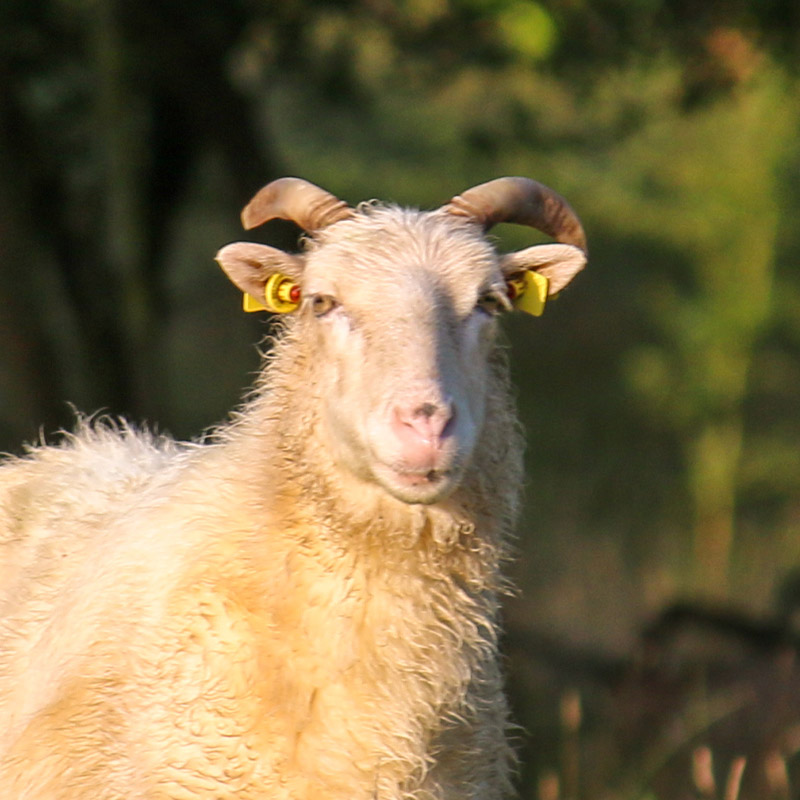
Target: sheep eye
321, 304
491, 303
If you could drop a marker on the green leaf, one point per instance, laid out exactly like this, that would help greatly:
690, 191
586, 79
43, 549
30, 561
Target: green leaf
528, 29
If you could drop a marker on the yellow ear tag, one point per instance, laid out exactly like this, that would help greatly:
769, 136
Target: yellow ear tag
281, 296
531, 293
249, 303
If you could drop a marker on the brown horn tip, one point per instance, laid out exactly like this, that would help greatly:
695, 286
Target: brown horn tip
295, 199
523, 201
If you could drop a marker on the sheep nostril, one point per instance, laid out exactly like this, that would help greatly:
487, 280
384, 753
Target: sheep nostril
426, 410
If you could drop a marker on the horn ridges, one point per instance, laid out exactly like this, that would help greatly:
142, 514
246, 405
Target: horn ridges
295, 199
523, 201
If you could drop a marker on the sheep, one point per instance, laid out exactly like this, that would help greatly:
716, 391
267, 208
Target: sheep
304, 604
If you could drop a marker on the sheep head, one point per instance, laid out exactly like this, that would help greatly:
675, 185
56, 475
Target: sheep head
399, 308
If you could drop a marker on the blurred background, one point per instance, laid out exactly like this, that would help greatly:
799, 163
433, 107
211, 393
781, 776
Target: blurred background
653, 644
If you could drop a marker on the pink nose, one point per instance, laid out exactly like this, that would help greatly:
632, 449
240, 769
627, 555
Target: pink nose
421, 427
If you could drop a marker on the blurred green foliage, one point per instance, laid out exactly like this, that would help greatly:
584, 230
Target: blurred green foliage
660, 394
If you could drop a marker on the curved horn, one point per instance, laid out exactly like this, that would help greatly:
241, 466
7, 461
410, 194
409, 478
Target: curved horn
524, 201
297, 200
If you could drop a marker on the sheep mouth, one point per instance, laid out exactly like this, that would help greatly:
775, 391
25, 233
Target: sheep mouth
429, 478
417, 486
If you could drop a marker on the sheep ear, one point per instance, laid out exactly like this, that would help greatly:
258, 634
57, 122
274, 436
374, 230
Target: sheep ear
559, 263
251, 265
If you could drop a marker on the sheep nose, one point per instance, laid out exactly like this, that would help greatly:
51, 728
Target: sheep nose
420, 428
429, 420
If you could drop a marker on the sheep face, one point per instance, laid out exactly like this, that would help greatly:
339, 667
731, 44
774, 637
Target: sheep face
399, 313
402, 307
